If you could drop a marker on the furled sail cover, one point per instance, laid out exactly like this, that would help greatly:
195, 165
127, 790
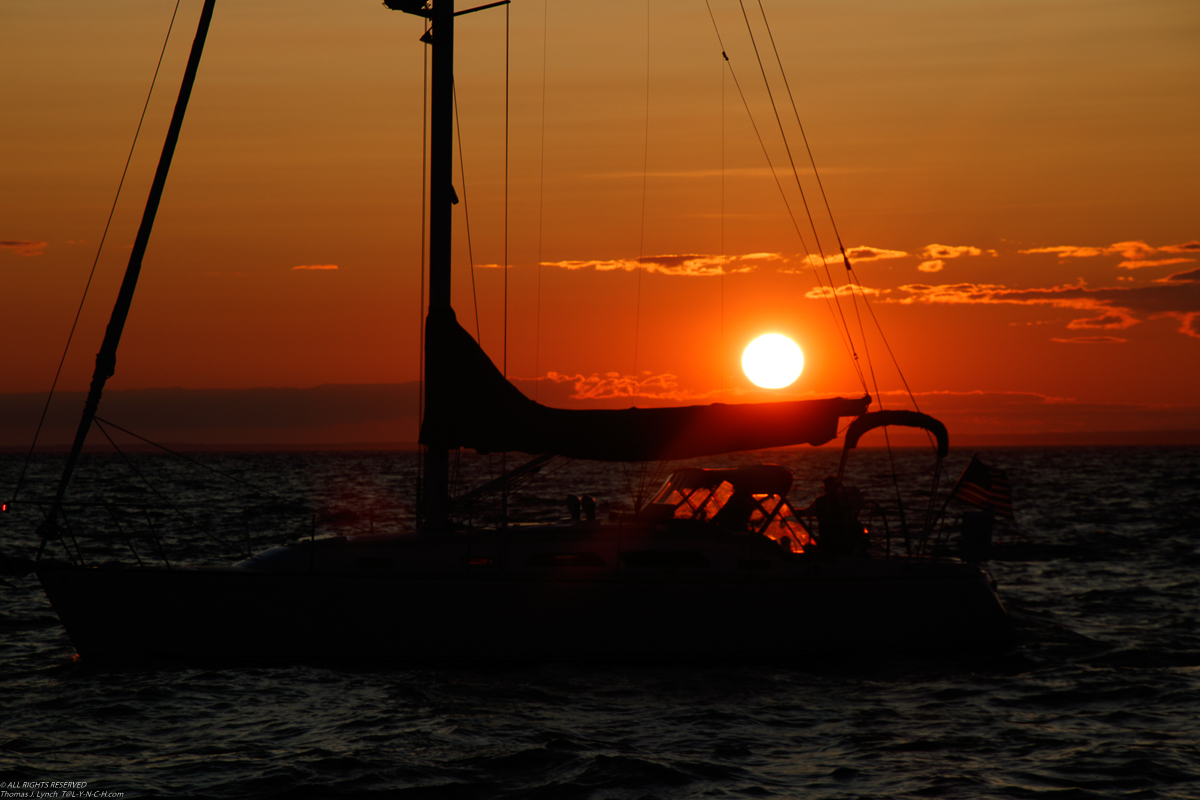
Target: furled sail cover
470, 404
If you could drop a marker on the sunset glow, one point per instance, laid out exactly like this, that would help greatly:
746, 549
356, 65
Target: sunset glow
1015, 189
773, 361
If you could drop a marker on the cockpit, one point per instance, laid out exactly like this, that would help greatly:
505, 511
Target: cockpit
742, 500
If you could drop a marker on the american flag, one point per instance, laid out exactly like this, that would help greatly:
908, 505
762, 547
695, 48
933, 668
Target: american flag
985, 486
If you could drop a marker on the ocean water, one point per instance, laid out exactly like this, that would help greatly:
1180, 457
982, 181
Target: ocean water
1100, 698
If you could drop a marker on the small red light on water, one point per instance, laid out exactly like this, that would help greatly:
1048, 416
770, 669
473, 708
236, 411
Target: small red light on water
3, 506
478, 562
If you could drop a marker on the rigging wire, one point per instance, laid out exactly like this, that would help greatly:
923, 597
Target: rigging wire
803, 197
504, 455
637, 318
537, 336
803, 135
895, 362
724, 373
800, 125
724, 66
887, 438
796, 113
828, 209
852, 279
95, 261
826, 293
643, 479
193, 461
505, 262
421, 298
187, 520
74, 541
462, 173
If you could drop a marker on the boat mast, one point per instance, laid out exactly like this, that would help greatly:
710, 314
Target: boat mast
106, 359
436, 489
441, 201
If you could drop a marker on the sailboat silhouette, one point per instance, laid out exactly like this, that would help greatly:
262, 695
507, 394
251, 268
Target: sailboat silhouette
718, 564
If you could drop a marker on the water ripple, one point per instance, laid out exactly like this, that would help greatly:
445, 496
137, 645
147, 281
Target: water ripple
1099, 700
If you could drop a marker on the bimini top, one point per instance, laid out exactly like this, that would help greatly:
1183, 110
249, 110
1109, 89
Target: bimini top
472, 405
758, 479
745, 499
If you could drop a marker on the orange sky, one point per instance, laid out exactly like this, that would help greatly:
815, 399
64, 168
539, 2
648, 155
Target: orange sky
1029, 169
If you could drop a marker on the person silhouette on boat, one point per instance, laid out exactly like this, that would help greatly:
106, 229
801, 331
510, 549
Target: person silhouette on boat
735, 514
836, 511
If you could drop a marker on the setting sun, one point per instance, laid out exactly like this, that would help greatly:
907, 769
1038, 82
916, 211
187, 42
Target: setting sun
772, 361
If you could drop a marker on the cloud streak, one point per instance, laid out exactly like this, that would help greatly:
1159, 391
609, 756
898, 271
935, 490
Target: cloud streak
867, 253
707, 265
821, 292
858, 255
936, 255
23, 247
1187, 247
1137, 254
315, 266
614, 385
1091, 340
690, 265
945, 251
1176, 296
1157, 262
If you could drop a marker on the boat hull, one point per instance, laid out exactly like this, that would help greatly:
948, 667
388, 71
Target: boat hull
230, 614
